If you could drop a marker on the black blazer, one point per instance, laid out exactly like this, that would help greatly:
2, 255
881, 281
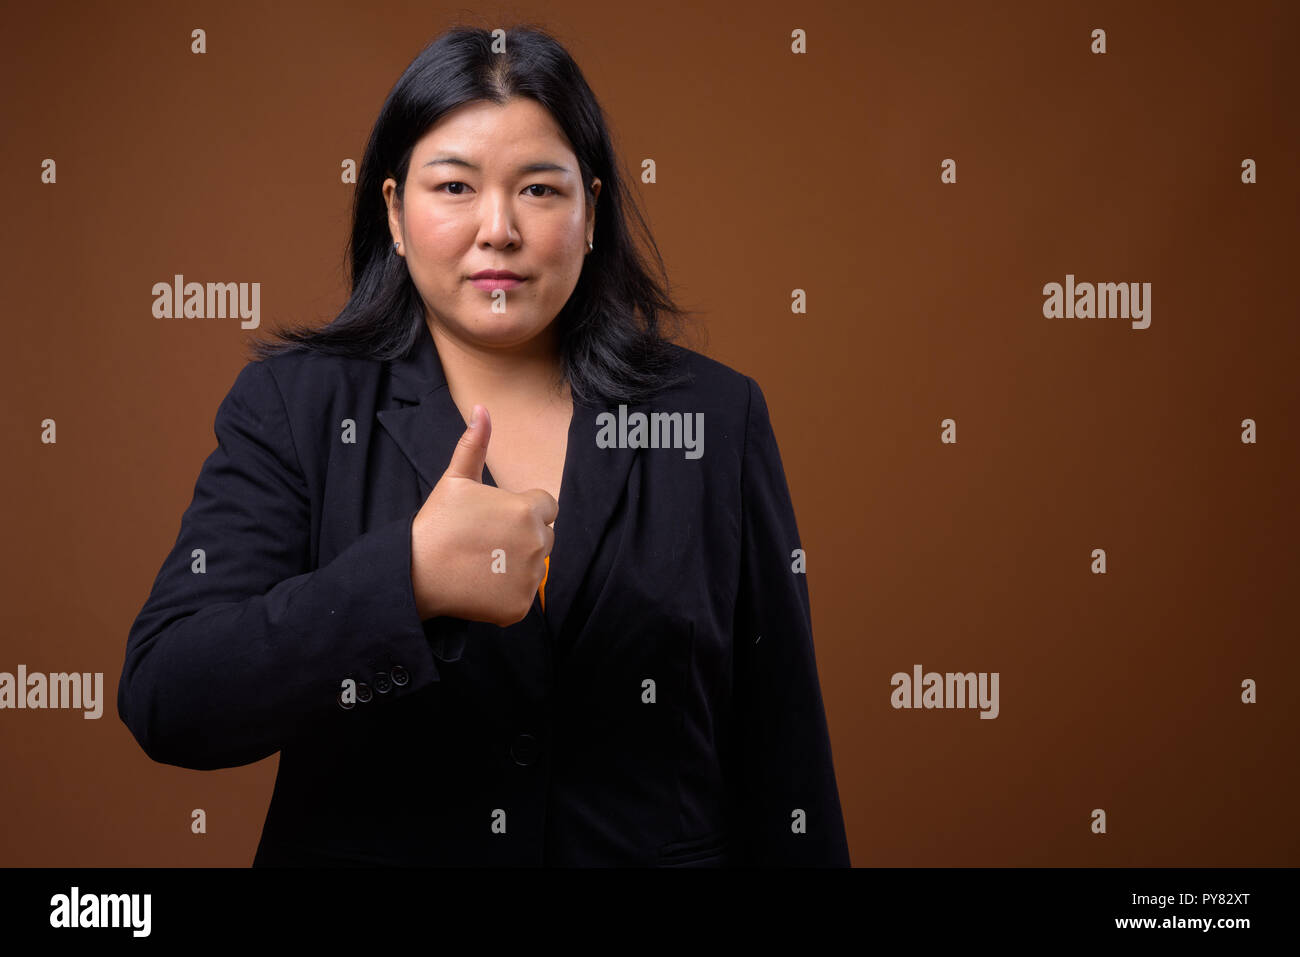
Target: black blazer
663, 709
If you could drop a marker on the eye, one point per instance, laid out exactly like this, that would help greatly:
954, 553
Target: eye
553, 190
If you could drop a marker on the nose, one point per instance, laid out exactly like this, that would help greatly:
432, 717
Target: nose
498, 228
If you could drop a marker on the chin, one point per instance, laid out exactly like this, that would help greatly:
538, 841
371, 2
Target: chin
504, 334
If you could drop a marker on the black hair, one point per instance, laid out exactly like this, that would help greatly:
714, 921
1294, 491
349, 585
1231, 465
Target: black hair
613, 341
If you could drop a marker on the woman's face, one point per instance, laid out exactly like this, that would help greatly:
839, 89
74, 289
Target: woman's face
488, 210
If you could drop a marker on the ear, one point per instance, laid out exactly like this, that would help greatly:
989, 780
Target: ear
394, 210
591, 207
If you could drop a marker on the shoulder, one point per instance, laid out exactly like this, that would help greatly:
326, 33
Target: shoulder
715, 384
302, 375
731, 402
297, 398
710, 379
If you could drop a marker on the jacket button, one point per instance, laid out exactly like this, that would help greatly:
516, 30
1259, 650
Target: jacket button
363, 691
382, 684
524, 749
345, 705
400, 677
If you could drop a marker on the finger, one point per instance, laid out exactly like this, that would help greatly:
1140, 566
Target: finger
543, 505
470, 454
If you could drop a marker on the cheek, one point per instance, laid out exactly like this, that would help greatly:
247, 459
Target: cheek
434, 234
564, 260
561, 236
437, 239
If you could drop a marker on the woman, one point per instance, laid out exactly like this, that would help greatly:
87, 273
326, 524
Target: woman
567, 633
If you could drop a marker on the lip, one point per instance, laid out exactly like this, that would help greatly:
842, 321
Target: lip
496, 274
492, 279
491, 284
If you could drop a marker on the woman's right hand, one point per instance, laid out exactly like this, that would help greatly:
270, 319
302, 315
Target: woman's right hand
459, 528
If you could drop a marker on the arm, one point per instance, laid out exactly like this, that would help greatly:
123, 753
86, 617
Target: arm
224, 667
782, 752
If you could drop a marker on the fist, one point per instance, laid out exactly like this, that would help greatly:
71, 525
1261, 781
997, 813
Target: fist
455, 536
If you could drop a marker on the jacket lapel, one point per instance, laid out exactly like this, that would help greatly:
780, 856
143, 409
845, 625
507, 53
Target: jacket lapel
427, 426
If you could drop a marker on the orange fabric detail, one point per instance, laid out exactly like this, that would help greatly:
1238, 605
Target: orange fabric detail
541, 590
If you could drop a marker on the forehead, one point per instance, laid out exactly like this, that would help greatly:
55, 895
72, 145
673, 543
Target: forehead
486, 133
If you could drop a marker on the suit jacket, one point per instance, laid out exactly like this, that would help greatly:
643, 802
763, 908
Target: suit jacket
663, 709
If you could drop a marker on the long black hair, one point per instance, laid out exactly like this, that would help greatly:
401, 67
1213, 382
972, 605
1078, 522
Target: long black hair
614, 344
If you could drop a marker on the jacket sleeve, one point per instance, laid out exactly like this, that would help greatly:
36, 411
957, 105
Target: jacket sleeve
240, 646
785, 800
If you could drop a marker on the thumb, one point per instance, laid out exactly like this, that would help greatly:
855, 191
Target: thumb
470, 454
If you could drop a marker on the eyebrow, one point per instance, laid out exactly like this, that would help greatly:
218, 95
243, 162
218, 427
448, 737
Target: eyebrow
538, 167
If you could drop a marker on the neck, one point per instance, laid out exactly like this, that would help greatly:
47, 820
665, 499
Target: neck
529, 376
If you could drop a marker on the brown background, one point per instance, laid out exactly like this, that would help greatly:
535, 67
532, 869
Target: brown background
775, 171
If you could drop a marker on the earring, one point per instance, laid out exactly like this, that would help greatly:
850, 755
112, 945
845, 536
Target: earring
395, 245
590, 247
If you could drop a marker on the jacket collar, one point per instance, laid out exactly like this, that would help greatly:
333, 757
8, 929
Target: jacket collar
592, 484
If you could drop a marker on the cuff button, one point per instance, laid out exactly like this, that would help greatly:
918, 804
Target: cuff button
524, 749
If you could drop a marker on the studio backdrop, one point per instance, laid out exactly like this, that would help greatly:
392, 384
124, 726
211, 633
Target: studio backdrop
1018, 284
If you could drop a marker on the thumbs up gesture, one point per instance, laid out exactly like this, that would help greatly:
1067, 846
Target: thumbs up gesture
460, 526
